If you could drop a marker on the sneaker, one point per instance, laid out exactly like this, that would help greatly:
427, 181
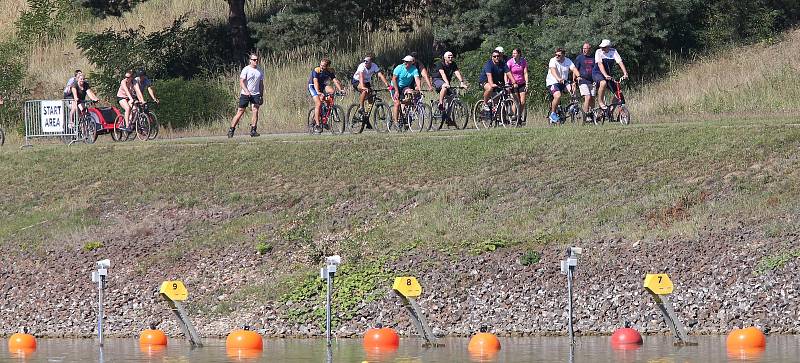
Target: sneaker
553, 118
317, 129
230, 132
253, 132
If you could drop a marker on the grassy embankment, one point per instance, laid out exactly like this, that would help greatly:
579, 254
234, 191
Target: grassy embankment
371, 198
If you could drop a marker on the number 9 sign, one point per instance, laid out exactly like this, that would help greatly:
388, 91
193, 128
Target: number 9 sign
174, 290
407, 286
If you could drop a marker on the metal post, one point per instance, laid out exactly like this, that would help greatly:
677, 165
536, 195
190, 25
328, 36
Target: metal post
568, 268
328, 309
569, 307
100, 308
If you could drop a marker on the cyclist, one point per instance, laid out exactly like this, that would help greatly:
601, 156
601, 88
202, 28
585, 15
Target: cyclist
585, 64
321, 77
68, 95
604, 59
558, 70
405, 79
443, 73
423, 71
251, 83
362, 78
503, 55
518, 67
125, 97
494, 75
142, 82
80, 90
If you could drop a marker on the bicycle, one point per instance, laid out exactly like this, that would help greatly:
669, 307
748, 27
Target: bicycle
616, 110
140, 122
455, 113
571, 112
86, 127
504, 110
374, 115
523, 117
412, 115
331, 115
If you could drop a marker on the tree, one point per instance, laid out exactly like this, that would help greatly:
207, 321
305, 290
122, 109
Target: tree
102, 8
237, 27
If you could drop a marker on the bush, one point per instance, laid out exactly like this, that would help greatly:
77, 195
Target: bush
12, 68
530, 258
190, 103
44, 19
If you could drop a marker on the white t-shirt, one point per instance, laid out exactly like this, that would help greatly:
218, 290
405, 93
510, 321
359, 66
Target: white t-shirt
599, 56
362, 68
561, 68
252, 79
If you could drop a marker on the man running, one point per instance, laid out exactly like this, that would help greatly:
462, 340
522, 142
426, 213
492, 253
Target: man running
251, 83
558, 71
585, 64
443, 73
604, 59
362, 79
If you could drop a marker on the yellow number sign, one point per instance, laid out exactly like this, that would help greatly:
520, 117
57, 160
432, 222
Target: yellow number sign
408, 286
659, 284
175, 290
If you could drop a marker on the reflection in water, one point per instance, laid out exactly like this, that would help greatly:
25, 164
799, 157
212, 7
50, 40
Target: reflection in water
587, 350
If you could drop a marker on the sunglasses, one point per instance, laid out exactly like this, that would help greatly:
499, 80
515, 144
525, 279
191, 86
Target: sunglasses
254, 59
559, 55
495, 56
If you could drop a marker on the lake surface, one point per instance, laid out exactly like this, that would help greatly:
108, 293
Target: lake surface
539, 349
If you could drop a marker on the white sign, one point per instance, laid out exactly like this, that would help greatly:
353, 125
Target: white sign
53, 116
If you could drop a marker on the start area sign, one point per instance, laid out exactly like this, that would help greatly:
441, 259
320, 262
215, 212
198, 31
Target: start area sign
52, 116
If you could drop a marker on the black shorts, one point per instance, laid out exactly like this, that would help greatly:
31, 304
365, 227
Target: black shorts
122, 98
522, 87
244, 100
355, 84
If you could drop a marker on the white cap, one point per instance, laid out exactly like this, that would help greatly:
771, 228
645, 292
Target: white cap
604, 43
408, 58
448, 54
500, 49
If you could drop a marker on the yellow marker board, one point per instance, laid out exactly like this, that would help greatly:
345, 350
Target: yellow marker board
408, 286
175, 290
659, 284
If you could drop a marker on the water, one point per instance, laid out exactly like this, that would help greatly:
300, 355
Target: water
587, 349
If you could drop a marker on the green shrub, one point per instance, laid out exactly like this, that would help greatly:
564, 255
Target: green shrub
12, 69
93, 245
262, 248
190, 103
529, 258
44, 19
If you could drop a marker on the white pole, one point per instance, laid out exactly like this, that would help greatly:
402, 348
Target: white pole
100, 286
328, 310
569, 307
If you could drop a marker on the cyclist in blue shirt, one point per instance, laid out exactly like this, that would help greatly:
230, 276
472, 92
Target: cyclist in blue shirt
585, 64
402, 78
320, 78
494, 75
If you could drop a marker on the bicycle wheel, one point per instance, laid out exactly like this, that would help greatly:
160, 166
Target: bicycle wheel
572, 113
437, 118
142, 127
381, 117
509, 112
91, 130
2, 137
420, 115
354, 121
624, 116
481, 118
82, 129
599, 116
458, 114
154, 126
585, 117
310, 122
336, 120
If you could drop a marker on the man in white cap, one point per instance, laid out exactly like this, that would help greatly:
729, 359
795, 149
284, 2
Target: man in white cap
402, 78
443, 73
362, 79
604, 59
502, 53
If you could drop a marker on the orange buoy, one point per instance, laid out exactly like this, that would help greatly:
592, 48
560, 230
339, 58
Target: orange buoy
747, 354
152, 350
626, 336
152, 337
747, 338
21, 342
243, 354
382, 338
244, 339
483, 343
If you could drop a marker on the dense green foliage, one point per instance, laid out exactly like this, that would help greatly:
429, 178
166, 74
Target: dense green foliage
103, 8
12, 69
191, 102
44, 19
177, 51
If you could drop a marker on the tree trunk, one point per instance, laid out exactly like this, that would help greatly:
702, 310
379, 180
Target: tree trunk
237, 26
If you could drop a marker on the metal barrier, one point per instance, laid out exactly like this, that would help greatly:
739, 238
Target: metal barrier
50, 118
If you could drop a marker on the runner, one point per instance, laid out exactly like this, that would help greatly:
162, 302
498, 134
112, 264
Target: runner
251, 83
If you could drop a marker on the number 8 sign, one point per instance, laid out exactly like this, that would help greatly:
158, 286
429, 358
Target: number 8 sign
407, 286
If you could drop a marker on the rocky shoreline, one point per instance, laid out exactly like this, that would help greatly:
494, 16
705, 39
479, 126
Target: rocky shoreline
718, 286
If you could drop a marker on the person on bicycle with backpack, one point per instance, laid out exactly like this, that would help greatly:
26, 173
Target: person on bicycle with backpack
443, 73
558, 72
319, 84
604, 59
362, 79
494, 75
142, 82
585, 63
405, 81
68, 95
518, 67
125, 98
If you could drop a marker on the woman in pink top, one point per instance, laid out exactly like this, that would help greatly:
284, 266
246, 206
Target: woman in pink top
125, 97
519, 70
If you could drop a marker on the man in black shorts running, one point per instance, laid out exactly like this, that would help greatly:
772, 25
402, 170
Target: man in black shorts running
251, 82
